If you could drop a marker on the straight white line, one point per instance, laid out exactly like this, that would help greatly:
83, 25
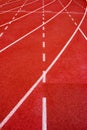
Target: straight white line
43, 35
44, 114
43, 18
43, 28
72, 19
13, 18
43, 44
35, 28
44, 77
6, 27
5, 120
27, 14
1, 34
43, 22
44, 57
75, 23
83, 34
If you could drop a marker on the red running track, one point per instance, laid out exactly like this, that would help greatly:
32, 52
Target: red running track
49, 36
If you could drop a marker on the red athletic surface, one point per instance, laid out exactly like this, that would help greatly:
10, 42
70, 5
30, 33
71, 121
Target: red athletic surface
21, 65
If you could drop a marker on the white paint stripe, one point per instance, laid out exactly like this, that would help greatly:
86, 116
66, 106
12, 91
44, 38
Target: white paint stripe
43, 44
35, 28
6, 28
16, 14
44, 114
83, 34
10, 22
72, 19
75, 23
44, 57
43, 35
43, 22
13, 18
28, 13
70, 15
5, 120
43, 28
44, 77
1, 34
43, 18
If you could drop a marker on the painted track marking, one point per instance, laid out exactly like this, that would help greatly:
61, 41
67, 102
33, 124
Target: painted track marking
44, 113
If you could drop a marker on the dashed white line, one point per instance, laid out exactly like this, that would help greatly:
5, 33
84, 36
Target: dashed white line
43, 35
1, 34
44, 77
43, 44
43, 28
72, 19
44, 57
6, 28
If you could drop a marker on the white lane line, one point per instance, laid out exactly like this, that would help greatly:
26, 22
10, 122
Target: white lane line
44, 77
44, 57
5, 120
70, 15
1, 34
43, 18
43, 44
43, 28
23, 16
75, 23
83, 34
72, 19
43, 22
21, 38
44, 113
43, 35
13, 18
6, 28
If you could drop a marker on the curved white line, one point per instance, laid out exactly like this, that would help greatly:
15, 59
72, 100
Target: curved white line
3, 12
5, 120
27, 14
35, 28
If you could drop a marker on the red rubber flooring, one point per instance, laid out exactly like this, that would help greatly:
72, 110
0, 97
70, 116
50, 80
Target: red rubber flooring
43, 52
